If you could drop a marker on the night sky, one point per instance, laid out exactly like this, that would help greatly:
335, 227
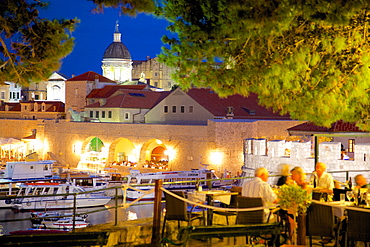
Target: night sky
141, 34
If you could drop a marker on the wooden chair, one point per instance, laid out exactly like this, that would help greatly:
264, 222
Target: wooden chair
249, 217
233, 204
176, 209
358, 227
320, 222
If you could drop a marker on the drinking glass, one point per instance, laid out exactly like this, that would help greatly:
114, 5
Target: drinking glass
349, 195
342, 199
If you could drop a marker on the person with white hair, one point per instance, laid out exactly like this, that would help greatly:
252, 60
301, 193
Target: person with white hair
258, 187
322, 181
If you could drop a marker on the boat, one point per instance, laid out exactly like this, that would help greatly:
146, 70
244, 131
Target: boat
143, 179
23, 171
34, 231
52, 198
66, 223
38, 217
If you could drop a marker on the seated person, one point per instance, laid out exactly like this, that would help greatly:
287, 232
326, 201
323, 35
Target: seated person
322, 181
360, 181
284, 172
299, 177
258, 187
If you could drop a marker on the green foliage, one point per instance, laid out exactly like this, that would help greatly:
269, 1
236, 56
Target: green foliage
306, 58
294, 199
31, 47
130, 7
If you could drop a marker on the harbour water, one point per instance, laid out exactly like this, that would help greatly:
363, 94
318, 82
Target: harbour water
101, 217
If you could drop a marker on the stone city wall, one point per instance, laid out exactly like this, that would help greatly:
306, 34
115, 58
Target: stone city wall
270, 154
58, 139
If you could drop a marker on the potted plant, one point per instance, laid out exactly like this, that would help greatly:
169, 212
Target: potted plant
295, 200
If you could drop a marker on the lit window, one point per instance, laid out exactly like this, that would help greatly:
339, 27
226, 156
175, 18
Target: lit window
351, 145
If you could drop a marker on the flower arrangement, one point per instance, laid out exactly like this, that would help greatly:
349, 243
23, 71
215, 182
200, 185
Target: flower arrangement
294, 199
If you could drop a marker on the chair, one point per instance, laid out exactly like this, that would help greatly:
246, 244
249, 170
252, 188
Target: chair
319, 196
320, 222
358, 226
249, 217
176, 209
233, 204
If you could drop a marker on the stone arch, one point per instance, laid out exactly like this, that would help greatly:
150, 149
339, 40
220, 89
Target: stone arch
93, 155
153, 154
122, 150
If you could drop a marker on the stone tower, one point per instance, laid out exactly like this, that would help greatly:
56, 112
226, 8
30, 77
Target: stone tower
117, 62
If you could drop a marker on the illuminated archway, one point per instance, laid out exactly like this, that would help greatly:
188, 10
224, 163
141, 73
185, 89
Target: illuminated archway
94, 154
155, 154
122, 152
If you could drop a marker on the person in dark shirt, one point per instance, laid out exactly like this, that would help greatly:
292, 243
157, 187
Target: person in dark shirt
284, 172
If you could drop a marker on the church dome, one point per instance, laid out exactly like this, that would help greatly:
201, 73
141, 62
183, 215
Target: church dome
117, 50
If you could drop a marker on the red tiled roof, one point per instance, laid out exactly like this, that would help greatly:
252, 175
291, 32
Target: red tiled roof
12, 106
244, 107
90, 76
108, 90
49, 106
339, 126
133, 99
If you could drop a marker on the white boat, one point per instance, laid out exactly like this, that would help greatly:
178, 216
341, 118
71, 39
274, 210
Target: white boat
24, 171
193, 176
53, 200
65, 223
38, 217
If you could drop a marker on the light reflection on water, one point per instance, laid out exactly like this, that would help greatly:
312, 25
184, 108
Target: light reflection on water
141, 211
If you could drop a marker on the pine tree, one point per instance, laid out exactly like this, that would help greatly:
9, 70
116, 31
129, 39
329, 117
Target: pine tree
307, 58
31, 47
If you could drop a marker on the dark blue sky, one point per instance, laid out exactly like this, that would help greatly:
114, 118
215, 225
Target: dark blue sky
141, 34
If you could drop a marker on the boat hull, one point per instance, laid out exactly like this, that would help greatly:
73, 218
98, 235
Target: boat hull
55, 203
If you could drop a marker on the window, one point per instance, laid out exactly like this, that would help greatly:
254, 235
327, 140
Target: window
109, 114
103, 114
76, 91
37, 85
155, 74
156, 84
127, 115
182, 109
37, 97
351, 145
173, 109
18, 95
2, 95
165, 109
191, 109
91, 114
97, 114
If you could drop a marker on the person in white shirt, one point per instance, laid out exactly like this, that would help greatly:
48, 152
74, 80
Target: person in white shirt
322, 180
258, 187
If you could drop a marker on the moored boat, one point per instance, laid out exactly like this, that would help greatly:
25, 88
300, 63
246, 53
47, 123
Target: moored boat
65, 223
52, 198
33, 231
143, 179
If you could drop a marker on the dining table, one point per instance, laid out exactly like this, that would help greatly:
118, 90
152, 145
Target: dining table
210, 197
